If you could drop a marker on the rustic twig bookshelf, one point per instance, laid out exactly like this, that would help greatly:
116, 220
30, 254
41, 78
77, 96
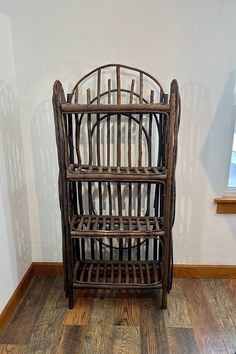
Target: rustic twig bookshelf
116, 136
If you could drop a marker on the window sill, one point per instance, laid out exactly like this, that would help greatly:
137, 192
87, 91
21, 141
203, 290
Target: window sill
226, 205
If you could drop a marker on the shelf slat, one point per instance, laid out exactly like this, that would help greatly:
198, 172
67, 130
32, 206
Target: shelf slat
123, 174
116, 226
115, 108
117, 274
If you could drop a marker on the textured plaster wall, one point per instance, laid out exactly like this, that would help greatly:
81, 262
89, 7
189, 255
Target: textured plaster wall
193, 41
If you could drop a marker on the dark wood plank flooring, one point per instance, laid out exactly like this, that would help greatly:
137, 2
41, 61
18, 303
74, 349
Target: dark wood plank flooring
201, 318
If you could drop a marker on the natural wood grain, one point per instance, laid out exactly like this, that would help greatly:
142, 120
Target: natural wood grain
28, 312
230, 284
98, 339
223, 308
12, 349
71, 340
127, 312
204, 271
51, 268
112, 323
180, 270
207, 333
177, 313
182, 341
47, 328
116, 177
126, 340
48, 268
121, 108
102, 311
80, 314
152, 328
12, 304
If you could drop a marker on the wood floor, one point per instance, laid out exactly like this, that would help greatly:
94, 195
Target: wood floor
201, 318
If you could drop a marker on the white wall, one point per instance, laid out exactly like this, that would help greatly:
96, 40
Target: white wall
191, 40
15, 242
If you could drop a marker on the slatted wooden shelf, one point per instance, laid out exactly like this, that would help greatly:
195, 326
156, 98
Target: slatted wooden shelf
116, 173
116, 226
115, 274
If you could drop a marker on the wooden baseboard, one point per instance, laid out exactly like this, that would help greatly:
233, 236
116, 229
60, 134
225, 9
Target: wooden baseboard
48, 268
12, 304
180, 270
205, 271
53, 268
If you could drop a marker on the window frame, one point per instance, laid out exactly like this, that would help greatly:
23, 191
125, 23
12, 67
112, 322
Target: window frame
227, 203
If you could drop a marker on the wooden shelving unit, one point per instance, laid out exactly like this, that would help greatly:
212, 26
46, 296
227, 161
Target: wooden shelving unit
116, 136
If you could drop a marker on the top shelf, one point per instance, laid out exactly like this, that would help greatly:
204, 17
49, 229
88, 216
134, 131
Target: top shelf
115, 108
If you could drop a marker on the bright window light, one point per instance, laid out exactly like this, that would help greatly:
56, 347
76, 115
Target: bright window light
232, 171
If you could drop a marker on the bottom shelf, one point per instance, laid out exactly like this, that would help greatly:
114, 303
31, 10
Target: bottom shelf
117, 274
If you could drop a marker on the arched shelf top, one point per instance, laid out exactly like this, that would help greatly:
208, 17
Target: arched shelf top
116, 68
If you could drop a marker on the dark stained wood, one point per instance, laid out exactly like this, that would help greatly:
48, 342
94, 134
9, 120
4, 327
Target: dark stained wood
152, 328
78, 136
99, 331
105, 321
109, 159
140, 152
177, 314
71, 340
89, 130
127, 312
95, 176
12, 304
132, 91
44, 337
118, 85
98, 339
76, 95
79, 226
149, 154
109, 174
126, 340
132, 274
31, 307
182, 341
98, 142
114, 108
206, 330
102, 311
121, 66
223, 308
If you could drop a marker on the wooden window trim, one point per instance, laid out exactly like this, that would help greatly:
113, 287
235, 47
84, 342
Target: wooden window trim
226, 205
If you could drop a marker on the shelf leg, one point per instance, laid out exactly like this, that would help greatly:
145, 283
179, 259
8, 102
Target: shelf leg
65, 266
71, 298
165, 259
66, 291
69, 267
164, 299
